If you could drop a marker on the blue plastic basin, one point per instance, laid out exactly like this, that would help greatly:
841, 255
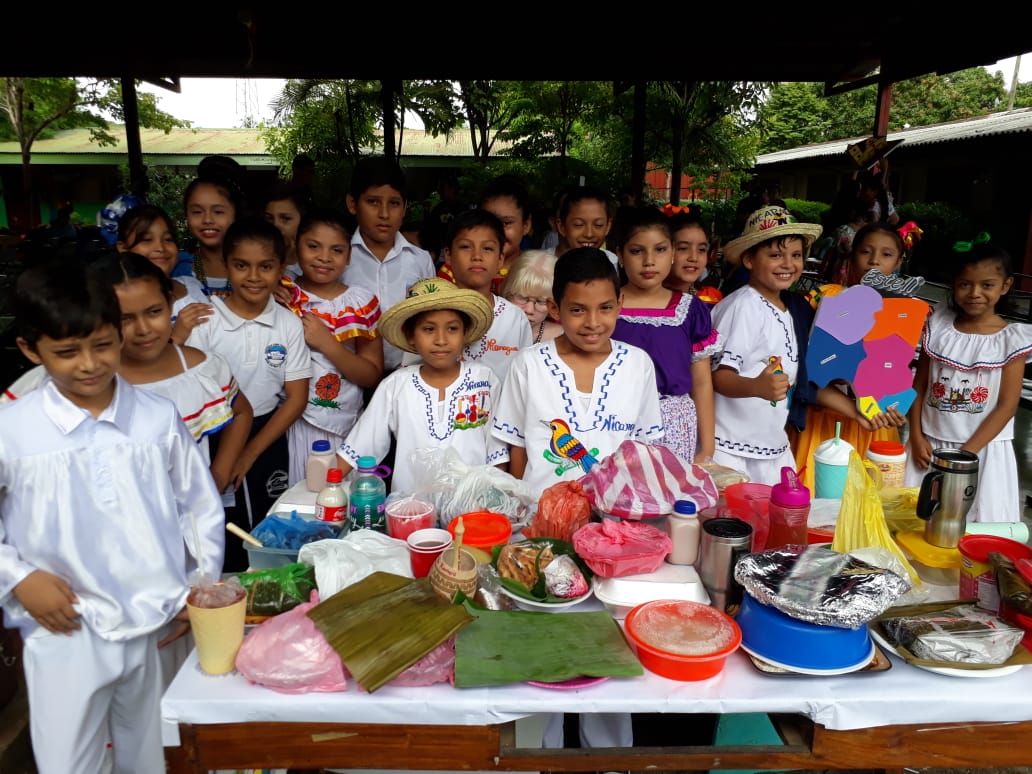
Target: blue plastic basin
778, 637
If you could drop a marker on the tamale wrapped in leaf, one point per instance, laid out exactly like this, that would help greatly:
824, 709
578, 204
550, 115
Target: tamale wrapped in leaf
502, 647
384, 624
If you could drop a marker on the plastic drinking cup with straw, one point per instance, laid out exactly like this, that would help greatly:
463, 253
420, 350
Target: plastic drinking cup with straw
831, 464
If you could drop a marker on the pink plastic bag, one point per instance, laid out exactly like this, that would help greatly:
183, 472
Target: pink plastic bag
437, 666
613, 549
289, 654
643, 481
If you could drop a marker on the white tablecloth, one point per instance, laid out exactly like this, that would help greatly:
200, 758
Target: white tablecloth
902, 694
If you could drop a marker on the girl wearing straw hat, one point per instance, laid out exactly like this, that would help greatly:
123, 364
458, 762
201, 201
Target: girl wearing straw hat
760, 379
440, 402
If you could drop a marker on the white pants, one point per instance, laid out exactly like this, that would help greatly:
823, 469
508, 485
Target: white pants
300, 436
602, 729
85, 691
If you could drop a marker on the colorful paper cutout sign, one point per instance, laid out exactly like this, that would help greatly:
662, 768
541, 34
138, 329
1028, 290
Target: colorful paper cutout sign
868, 341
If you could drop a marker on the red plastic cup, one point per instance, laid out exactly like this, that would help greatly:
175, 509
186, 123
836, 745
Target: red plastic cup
424, 546
407, 515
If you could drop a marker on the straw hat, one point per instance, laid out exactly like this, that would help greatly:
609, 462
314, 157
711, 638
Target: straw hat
771, 223
432, 294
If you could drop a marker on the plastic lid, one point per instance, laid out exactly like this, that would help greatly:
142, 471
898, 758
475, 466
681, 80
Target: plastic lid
887, 448
334, 475
790, 492
320, 446
483, 529
366, 463
684, 508
833, 451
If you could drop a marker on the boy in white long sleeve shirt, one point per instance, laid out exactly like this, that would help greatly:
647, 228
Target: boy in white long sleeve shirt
104, 497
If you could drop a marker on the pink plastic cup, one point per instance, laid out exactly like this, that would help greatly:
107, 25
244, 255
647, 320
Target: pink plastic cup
424, 546
407, 515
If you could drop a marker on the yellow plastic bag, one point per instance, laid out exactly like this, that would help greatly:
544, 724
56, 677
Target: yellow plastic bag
900, 507
861, 521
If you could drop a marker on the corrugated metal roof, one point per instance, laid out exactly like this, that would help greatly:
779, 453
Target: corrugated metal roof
229, 142
1012, 121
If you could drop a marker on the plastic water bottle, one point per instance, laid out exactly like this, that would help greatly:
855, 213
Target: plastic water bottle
789, 511
367, 501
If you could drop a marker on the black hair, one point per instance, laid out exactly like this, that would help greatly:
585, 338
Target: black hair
409, 326
582, 264
983, 251
584, 193
284, 191
877, 228
62, 299
136, 220
374, 171
229, 188
681, 220
634, 219
327, 216
120, 268
252, 229
477, 216
511, 186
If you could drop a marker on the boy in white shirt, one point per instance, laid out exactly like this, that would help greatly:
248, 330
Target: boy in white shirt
106, 506
382, 260
473, 253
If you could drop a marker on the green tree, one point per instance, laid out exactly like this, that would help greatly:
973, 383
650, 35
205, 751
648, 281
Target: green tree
38, 107
490, 108
797, 114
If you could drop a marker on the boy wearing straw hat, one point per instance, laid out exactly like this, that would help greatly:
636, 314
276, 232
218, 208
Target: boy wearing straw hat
759, 380
106, 504
442, 401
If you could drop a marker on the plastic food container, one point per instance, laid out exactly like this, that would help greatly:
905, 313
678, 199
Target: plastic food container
791, 642
977, 576
670, 581
614, 549
682, 640
483, 529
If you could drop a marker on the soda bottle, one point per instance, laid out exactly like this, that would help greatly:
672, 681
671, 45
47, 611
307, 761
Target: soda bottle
367, 501
331, 502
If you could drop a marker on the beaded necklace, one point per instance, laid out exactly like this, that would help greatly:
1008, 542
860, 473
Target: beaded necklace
202, 277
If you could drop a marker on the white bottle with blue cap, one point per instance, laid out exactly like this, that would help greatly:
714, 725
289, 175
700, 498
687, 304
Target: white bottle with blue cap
683, 523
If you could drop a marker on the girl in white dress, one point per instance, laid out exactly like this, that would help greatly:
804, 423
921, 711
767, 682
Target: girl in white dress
340, 329
442, 402
200, 384
968, 382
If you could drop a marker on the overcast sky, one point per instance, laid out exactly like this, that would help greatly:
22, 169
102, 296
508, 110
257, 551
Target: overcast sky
224, 103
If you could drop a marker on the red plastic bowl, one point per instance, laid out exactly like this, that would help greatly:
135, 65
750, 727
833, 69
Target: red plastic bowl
680, 639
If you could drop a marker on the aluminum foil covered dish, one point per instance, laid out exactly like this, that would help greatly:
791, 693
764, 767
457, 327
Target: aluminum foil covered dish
816, 584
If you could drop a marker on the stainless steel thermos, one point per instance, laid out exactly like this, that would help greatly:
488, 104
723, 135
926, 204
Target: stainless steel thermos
724, 541
947, 492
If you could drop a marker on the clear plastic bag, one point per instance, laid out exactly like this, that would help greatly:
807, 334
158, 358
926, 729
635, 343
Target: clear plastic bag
454, 488
289, 654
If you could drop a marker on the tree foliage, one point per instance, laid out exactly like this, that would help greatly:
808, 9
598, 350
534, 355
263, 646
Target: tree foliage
797, 114
38, 107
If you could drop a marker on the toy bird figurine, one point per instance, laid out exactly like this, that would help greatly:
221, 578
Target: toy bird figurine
564, 445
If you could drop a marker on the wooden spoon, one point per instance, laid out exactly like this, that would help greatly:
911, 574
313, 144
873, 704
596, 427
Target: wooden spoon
460, 530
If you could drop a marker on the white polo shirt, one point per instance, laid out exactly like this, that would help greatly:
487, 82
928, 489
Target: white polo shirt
389, 279
263, 354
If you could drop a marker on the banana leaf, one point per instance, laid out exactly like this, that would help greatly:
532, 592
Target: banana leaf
384, 624
504, 646
539, 593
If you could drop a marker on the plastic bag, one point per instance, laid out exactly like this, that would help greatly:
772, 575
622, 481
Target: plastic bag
454, 488
562, 509
642, 480
278, 589
861, 521
339, 563
613, 549
437, 666
279, 530
289, 654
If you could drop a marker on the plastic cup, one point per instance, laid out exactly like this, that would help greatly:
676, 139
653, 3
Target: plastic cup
218, 633
424, 546
407, 515
830, 468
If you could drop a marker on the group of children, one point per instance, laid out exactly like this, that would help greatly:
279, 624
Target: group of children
167, 405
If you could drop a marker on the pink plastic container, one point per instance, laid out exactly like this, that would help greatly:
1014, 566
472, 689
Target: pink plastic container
751, 503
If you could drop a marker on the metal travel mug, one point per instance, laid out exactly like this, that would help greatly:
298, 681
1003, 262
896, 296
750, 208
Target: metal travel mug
724, 541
